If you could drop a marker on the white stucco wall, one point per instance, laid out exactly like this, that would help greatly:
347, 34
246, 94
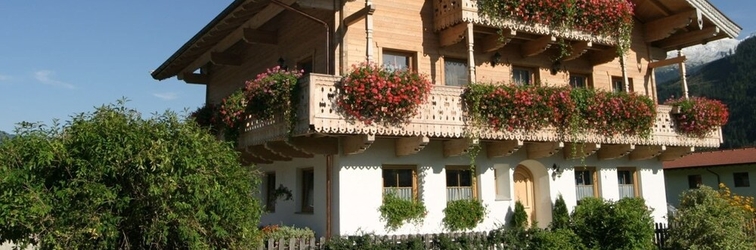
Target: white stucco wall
677, 180
357, 187
288, 212
361, 187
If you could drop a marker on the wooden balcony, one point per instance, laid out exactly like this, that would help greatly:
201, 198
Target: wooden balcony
441, 118
451, 13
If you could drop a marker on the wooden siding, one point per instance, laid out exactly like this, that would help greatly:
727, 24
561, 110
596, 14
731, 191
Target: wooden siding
298, 38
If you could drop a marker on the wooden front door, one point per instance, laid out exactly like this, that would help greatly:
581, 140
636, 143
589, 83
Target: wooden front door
524, 190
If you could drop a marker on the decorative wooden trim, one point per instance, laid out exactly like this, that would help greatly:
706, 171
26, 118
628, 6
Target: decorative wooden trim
503, 148
457, 147
579, 150
608, 152
453, 35
577, 50
356, 144
646, 152
666, 26
674, 153
497, 41
359, 15
537, 150
410, 145
285, 149
537, 46
665, 62
255, 36
228, 59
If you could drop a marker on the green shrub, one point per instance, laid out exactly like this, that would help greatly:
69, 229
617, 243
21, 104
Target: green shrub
396, 211
520, 217
560, 215
373, 242
277, 232
463, 214
559, 239
705, 221
626, 224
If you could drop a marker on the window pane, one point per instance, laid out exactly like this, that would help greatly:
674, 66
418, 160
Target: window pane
455, 72
393, 61
270, 192
308, 185
741, 179
389, 178
521, 76
583, 177
452, 178
624, 177
465, 178
618, 85
405, 177
577, 81
694, 181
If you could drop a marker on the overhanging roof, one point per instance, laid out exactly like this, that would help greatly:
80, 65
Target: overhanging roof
705, 22
228, 21
717, 158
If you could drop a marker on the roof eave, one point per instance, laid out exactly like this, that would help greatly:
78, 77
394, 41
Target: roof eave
158, 74
717, 17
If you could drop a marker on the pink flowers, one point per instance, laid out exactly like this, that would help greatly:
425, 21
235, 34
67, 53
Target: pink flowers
372, 94
699, 116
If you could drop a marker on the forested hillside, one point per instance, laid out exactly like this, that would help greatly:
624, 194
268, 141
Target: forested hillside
733, 80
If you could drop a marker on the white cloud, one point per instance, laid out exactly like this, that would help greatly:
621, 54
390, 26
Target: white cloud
45, 77
167, 96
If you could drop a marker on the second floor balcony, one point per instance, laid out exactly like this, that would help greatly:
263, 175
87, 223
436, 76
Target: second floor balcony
443, 118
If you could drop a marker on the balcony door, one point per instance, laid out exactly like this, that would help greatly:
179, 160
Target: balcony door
524, 190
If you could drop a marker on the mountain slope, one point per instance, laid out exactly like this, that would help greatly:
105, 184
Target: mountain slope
733, 81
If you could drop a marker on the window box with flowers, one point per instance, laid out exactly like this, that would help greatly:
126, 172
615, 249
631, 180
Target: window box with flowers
272, 91
698, 116
570, 111
372, 94
606, 18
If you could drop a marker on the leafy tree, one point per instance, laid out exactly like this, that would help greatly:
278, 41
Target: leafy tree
110, 179
705, 220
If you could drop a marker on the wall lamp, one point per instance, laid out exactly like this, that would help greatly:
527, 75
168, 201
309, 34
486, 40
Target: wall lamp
495, 59
556, 171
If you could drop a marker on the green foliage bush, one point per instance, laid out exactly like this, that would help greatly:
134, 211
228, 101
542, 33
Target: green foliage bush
463, 214
558, 239
520, 217
560, 215
396, 211
705, 221
111, 179
626, 224
277, 232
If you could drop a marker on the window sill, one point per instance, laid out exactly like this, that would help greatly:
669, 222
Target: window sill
503, 199
305, 212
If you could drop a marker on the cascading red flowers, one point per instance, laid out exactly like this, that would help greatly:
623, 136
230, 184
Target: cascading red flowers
373, 94
699, 116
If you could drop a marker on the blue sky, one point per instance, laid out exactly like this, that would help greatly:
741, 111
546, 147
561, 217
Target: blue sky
59, 58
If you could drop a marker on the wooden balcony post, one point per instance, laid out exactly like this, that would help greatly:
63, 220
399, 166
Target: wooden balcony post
471, 53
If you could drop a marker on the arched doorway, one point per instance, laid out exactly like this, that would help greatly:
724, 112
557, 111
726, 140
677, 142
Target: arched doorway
524, 190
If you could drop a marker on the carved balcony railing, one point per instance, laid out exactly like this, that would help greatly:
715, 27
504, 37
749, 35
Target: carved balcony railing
442, 117
448, 13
